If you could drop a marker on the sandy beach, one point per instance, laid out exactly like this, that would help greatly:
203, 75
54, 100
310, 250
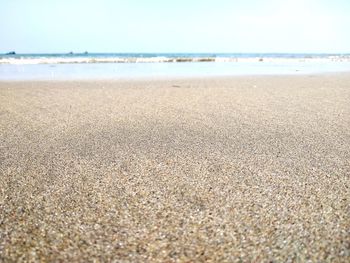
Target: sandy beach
231, 169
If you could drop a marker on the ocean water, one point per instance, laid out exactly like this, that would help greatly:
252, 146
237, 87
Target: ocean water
155, 65
154, 57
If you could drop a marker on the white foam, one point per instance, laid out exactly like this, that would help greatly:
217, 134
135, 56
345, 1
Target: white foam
82, 60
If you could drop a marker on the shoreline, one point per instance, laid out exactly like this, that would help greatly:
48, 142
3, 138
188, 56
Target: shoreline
169, 78
147, 71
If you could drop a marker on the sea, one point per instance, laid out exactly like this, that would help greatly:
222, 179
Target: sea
163, 65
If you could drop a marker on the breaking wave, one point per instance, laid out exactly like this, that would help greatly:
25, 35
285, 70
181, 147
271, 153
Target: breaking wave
169, 58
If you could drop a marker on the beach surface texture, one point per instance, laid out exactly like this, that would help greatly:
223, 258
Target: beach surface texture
251, 169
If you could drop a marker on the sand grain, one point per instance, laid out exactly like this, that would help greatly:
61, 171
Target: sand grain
225, 170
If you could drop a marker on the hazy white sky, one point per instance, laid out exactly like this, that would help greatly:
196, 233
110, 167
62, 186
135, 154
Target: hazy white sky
38, 26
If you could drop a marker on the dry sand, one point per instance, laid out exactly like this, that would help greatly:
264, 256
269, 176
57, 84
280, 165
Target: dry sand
240, 169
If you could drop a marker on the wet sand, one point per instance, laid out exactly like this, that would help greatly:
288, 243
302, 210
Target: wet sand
221, 169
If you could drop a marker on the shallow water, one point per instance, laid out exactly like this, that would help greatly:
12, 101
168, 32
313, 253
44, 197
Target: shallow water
156, 70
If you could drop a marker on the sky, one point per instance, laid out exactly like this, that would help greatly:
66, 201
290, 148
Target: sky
258, 26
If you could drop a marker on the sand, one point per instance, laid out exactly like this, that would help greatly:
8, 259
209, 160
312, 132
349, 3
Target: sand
236, 169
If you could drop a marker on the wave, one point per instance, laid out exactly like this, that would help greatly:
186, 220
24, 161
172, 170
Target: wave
158, 59
65, 60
